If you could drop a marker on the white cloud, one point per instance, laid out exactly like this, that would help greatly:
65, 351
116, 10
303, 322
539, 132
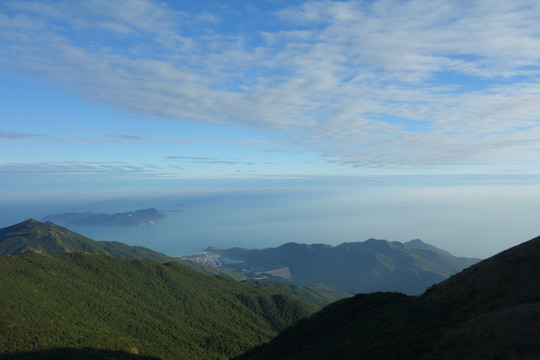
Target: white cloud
387, 83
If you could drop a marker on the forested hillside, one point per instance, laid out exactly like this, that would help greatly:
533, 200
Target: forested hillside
96, 302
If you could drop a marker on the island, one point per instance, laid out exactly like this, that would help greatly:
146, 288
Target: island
143, 217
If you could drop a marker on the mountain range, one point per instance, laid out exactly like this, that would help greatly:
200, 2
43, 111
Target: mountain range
76, 304
489, 311
369, 266
372, 265
49, 238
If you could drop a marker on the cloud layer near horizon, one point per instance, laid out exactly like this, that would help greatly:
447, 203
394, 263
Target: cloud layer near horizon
382, 83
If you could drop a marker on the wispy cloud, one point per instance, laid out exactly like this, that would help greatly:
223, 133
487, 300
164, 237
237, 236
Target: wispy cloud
136, 139
382, 83
206, 160
12, 135
76, 168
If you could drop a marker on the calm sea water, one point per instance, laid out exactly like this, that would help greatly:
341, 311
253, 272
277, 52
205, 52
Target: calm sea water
251, 220
245, 219
467, 221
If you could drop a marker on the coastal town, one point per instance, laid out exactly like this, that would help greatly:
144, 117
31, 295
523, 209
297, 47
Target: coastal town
212, 259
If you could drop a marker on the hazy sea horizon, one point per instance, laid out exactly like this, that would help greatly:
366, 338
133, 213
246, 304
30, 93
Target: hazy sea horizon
466, 221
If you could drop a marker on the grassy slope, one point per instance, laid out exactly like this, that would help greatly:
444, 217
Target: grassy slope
168, 311
488, 311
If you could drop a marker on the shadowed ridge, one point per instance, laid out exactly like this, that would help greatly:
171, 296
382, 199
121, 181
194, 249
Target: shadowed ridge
506, 279
491, 310
509, 270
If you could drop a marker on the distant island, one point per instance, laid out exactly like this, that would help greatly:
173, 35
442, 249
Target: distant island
144, 217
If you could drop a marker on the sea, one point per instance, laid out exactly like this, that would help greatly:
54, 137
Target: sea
466, 221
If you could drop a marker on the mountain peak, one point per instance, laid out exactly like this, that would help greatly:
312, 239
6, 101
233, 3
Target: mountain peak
31, 224
49, 238
415, 242
418, 244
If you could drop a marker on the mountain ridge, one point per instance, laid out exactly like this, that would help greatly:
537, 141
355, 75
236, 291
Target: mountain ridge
369, 266
47, 237
490, 310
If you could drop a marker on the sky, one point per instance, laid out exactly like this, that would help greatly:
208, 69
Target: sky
113, 99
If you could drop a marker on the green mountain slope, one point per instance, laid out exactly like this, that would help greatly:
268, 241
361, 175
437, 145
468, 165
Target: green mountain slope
48, 238
209, 269
77, 354
369, 266
488, 311
319, 295
442, 259
95, 302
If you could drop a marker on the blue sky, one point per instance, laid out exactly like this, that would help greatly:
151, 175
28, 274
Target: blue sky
103, 97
